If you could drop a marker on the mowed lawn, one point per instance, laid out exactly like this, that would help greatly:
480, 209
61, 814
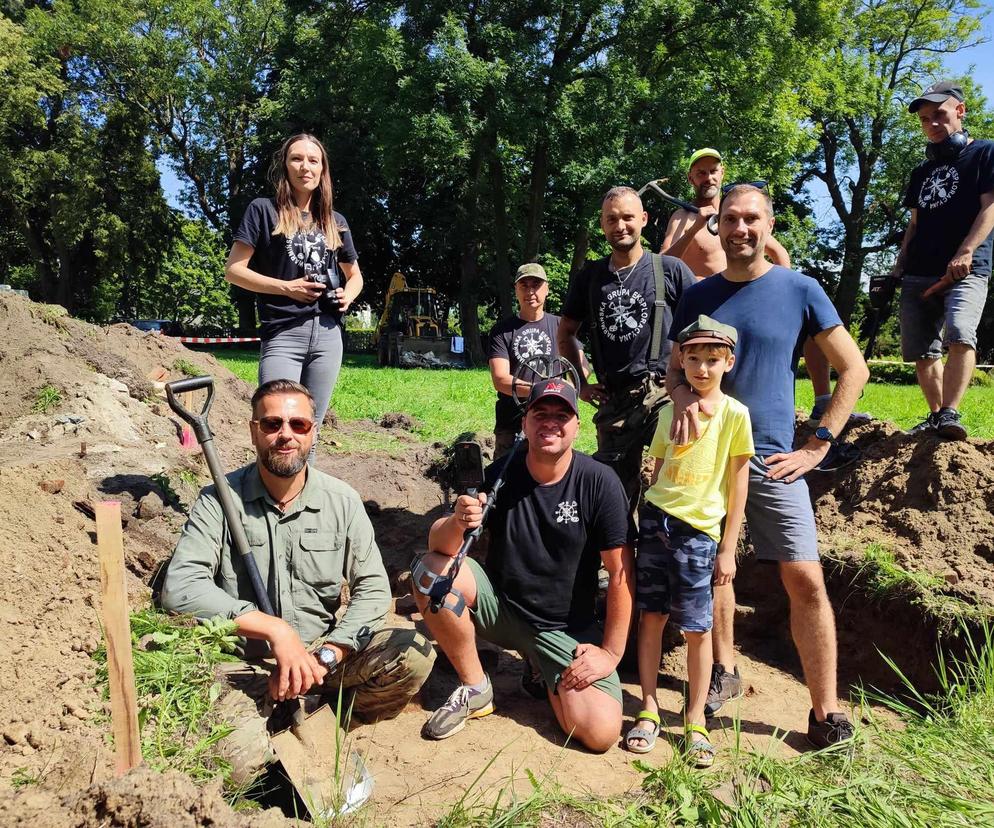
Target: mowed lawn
448, 402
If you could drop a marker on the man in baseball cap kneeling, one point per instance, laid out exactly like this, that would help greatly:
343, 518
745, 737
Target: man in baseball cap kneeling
559, 516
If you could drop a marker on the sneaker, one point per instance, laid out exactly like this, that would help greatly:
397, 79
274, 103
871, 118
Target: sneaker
857, 418
833, 731
724, 687
948, 424
464, 704
532, 680
925, 426
840, 454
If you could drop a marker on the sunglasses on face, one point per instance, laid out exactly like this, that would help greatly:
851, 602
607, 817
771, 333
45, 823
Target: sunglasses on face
759, 185
272, 425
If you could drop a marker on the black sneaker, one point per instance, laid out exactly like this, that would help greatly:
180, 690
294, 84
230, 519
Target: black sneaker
840, 454
724, 687
925, 426
532, 680
948, 425
833, 731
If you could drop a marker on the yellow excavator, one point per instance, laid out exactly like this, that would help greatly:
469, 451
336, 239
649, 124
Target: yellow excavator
411, 333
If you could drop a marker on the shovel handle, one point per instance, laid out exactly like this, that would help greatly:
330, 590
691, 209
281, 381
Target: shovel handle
198, 420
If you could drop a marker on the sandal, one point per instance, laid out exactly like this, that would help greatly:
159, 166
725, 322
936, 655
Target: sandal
698, 747
649, 735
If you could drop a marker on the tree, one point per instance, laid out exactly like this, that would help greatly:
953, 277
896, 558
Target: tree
877, 61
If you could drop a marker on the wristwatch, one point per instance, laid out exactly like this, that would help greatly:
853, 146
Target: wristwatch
328, 658
823, 434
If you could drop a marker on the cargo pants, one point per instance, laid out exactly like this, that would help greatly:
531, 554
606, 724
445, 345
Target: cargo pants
380, 679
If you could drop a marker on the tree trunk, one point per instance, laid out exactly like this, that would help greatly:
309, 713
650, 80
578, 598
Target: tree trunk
581, 244
502, 246
468, 261
536, 195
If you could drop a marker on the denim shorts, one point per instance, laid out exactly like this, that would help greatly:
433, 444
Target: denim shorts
958, 310
675, 569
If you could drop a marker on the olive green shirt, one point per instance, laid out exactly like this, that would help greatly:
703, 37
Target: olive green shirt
304, 555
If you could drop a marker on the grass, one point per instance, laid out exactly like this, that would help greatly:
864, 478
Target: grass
184, 366
933, 769
47, 399
450, 402
174, 677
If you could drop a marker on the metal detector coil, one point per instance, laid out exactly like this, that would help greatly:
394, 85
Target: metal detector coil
439, 587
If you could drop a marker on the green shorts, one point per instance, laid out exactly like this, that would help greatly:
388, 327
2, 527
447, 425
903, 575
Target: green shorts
552, 650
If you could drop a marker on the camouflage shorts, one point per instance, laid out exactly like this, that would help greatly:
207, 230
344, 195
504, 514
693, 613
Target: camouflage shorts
675, 569
377, 682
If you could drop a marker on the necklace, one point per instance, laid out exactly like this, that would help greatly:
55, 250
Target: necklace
282, 504
617, 271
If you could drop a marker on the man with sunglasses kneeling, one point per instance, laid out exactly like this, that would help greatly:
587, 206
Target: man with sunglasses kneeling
309, 535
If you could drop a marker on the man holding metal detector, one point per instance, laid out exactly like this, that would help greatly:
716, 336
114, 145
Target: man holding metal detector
307, 534
626, 303
944, 266
554, 516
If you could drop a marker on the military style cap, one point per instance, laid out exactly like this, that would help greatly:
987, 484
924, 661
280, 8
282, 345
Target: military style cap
706, 329
703, 152
937, 93
532, 270
553, 388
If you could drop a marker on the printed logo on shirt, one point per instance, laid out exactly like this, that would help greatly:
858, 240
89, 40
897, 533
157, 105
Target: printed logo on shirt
309, 251
532, 342
623, 313
939, 187
567, 512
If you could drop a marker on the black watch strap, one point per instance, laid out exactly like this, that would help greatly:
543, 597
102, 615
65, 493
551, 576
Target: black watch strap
824, 434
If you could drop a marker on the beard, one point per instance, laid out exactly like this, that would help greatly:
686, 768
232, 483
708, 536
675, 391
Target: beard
283, 465
707, 191
623, 246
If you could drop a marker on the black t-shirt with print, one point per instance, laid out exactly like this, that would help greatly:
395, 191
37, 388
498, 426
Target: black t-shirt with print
946, 195
515, 340
545, 541
622, 317
302, 255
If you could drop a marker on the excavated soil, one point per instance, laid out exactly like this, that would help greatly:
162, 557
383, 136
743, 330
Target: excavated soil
110, 435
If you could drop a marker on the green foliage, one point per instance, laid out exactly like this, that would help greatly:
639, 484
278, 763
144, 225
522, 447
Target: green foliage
47, 399
175, 662
169, 494
187, 368
23, 778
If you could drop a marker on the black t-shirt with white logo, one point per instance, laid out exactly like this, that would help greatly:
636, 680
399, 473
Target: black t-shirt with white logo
622, 314
302, 255
545, 541
515, 340
946, 195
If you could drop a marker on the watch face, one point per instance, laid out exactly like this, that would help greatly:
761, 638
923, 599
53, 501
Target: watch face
328, 658
823, 433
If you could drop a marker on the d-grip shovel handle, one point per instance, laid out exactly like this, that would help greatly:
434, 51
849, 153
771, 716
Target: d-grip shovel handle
231, 516
199, 421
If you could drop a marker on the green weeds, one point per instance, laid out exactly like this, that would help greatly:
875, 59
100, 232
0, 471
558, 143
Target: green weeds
47, 399
184, 366
175, 662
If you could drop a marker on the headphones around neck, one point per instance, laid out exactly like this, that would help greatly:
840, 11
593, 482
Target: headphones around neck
949, 149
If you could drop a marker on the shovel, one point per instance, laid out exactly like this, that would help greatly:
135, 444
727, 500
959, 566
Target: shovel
327, 785
330, 779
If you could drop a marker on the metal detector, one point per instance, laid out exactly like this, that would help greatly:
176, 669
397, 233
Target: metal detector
438, 587
656, 185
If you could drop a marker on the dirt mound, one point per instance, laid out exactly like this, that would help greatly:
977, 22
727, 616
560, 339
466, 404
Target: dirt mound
398, 419
929, 500
140, 799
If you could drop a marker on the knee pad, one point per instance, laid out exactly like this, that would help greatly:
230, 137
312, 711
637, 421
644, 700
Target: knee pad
437, 587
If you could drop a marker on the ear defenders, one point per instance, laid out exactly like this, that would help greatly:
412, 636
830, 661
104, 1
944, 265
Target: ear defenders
949, 149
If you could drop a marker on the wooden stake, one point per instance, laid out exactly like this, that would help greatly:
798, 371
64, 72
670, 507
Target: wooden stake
117, 631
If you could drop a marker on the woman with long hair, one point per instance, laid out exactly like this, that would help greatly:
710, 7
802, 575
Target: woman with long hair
293, 251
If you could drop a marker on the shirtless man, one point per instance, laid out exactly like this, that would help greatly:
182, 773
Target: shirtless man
688, 238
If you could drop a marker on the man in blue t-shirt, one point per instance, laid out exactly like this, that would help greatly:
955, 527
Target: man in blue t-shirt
775, 310
945, 261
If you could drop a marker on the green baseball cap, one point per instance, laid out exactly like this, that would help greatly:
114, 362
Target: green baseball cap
706, 329
703, 152
531, 270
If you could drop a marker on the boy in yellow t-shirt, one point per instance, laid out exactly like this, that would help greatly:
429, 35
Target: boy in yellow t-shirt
682, 548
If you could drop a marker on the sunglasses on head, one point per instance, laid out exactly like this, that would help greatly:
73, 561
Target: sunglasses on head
759, 185
272, 425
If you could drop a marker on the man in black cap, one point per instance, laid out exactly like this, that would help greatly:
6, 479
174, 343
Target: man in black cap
528, 333
558, 517
945, 261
